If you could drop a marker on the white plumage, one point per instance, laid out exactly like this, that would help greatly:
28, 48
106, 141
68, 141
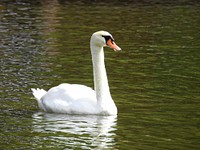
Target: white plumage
80, 99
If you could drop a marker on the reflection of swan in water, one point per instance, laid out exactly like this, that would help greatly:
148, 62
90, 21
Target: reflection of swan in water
76, 131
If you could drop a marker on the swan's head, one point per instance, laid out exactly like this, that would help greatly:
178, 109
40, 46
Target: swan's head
104, 38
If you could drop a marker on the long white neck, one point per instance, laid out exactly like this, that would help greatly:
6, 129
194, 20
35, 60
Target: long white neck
100, 77
103, 96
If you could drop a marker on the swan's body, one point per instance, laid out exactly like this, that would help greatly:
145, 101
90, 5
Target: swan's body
80, 99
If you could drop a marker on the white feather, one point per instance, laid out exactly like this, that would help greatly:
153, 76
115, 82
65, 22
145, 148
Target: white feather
80, 99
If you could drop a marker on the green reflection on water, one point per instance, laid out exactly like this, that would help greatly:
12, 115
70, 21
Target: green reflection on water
154, 80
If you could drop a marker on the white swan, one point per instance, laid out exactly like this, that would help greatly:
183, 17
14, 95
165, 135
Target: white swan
80, 99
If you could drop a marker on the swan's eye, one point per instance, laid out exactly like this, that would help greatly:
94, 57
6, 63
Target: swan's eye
108, 37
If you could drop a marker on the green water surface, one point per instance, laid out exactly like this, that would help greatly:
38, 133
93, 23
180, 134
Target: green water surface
154, 80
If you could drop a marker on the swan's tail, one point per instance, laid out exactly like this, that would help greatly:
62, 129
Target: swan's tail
38, 93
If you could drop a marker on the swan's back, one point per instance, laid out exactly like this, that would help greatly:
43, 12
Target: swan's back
70, 92
69, 98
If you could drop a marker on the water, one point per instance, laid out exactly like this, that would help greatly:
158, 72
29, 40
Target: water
154, 80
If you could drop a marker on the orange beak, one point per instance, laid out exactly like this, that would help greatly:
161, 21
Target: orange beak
112, 45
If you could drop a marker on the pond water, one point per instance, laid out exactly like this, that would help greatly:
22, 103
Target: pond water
154, 80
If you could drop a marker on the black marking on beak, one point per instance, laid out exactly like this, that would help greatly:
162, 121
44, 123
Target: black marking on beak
108, 37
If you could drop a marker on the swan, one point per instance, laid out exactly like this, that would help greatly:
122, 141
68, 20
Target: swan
80, 99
